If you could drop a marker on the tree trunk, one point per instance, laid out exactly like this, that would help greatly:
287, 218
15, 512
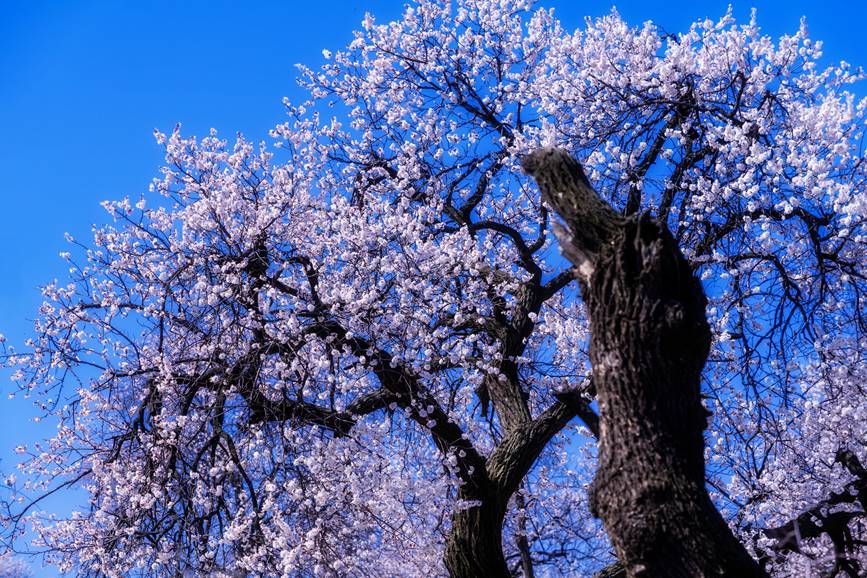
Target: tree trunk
649, 342
474, 548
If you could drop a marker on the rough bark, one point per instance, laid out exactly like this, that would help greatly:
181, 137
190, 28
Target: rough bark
649, 342
474, 547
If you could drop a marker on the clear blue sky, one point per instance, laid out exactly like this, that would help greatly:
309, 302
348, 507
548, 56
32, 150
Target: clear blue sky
83, 84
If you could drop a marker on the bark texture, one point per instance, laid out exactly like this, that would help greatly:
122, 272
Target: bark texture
649, 343
475, 546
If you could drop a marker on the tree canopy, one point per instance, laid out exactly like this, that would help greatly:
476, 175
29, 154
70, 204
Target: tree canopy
305, 357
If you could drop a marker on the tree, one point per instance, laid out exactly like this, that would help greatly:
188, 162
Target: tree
357, 352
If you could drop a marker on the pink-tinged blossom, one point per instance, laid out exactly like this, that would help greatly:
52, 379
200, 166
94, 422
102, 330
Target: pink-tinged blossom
207, 353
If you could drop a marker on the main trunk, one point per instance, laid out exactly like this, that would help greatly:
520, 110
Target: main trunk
649, 343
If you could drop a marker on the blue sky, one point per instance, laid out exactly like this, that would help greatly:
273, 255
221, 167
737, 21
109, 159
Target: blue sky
83, 85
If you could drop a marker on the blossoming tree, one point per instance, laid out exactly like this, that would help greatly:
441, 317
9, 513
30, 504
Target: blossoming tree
358, 352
